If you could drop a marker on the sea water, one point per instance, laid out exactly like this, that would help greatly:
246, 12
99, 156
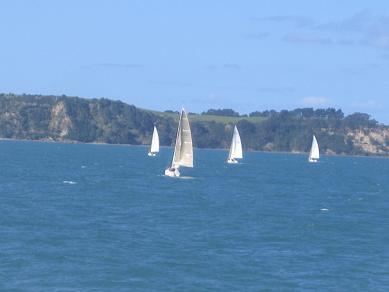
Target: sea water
79, 217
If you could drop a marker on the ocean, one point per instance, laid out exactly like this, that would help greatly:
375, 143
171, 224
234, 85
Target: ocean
78, 217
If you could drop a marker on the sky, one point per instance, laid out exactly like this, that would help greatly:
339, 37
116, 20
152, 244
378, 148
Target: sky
245, 55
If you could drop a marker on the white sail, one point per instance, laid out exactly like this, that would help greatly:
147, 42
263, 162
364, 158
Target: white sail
154, 142
183, 150
315, 153
236, 146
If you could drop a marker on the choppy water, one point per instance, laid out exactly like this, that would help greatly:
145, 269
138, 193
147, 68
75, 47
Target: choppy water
99, 217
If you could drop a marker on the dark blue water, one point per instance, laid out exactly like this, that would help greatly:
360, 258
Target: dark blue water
99, 217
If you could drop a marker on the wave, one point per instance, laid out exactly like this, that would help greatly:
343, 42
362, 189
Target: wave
69, 182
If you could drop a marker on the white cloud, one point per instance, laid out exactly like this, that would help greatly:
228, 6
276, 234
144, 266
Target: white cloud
363, 28
365, 104
298, 38
315, 101
119, 65
299, 21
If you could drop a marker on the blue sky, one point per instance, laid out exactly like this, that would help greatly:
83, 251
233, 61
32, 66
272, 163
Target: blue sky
245, 55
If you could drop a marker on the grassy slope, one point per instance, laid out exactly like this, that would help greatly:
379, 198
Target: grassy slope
208, 118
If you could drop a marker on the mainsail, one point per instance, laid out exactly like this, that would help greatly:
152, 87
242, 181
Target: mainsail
154, 142
315, 153
236, 146
183, 150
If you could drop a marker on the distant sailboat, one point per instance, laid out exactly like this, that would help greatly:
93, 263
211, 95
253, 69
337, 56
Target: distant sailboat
183, 150
314, 155
154, 148
236, 148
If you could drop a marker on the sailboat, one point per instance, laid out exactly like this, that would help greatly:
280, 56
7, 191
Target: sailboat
183, 149
236, 148
314, 155
154, 148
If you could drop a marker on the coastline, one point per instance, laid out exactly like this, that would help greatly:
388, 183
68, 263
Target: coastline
164, 146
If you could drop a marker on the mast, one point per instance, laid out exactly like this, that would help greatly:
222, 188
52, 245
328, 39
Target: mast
232, 147
177, 147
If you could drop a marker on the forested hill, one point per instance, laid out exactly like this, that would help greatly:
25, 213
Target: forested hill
62, 118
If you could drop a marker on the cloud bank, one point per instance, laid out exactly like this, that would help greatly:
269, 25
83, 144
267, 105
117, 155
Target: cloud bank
363, 28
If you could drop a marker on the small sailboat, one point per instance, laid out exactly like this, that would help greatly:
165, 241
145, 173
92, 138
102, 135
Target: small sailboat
236, 148
154, 148
314, 155
183, 149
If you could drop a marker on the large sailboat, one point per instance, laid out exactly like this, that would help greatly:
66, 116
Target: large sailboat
183, 149
236, 148
154, 148
314, 155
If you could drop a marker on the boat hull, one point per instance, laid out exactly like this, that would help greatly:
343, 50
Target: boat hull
172, 173
152, 154
311, 160
232, 161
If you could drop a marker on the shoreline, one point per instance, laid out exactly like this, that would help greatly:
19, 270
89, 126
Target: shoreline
164, 146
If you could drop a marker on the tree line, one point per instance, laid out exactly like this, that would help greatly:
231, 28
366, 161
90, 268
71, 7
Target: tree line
103, 120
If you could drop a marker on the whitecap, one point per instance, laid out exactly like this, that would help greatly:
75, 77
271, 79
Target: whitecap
324, 209
179, 177
69, 182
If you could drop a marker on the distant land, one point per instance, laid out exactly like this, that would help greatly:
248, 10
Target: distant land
74, 119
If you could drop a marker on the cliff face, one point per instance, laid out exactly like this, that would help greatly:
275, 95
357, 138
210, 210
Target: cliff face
62, 118
371, 141
24, 118
60, 123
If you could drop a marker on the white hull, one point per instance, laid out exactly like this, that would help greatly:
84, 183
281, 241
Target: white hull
172, 173
232, 161
152, 154
311, 160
